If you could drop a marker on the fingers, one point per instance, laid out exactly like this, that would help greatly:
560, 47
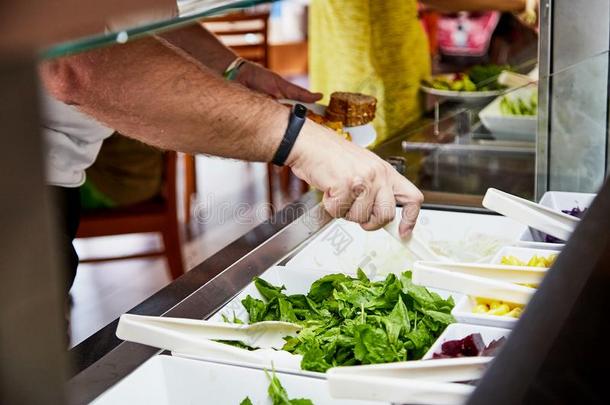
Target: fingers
411, 199
362, 207
338, 202
384, 210
293, 92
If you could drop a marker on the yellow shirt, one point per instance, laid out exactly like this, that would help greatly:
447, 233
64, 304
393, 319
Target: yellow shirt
376, 47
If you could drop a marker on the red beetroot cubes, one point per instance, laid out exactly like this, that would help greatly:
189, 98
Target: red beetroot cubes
471, 346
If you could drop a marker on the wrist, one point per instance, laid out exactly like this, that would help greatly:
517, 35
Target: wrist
300, 147
314, 141
296, 121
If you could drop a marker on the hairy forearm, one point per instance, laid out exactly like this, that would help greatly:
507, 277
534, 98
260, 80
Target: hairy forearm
199, 44
146, 91
474, 5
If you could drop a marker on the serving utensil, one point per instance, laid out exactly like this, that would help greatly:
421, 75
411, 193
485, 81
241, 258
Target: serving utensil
439, 370
529, 213
424, 381
414, 243
192, 335
500, 272
477, 286
512, 79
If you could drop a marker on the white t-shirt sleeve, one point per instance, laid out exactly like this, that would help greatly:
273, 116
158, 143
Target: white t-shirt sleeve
73, 140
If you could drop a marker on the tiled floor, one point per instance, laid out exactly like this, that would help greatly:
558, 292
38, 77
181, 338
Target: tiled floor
232, 199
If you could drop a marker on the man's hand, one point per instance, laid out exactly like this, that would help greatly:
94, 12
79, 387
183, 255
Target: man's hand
357, 184
257, 78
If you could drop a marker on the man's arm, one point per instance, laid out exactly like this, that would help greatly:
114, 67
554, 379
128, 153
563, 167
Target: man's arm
146, 91
198, 44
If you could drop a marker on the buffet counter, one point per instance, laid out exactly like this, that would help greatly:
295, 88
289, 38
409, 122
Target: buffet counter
295, 237
102, 360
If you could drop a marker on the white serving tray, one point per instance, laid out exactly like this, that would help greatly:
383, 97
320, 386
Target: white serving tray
463, 308
343, 246
462, 312
461, 330
168, 380
558, 200
510, 127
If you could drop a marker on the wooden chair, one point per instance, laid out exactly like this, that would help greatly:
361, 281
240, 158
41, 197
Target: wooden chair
247, 35
190, 184
156, 215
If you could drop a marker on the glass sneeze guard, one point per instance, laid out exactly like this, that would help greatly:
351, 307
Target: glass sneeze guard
453, 158
189, 11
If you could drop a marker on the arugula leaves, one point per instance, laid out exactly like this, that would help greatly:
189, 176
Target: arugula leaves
353, 320
278, 393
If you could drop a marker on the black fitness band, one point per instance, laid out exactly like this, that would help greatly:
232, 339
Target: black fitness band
295, 123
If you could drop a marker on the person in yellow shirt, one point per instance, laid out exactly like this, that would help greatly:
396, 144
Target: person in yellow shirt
379, 47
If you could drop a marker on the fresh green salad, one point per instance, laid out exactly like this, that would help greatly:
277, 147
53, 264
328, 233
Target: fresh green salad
353, 320
477, 78
278, 394
519, 105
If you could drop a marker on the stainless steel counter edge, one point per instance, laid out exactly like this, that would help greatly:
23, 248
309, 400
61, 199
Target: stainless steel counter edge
102, 360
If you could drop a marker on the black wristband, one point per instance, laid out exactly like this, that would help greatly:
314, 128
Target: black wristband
295, 123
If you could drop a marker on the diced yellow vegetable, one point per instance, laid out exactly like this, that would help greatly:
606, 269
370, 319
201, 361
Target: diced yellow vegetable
512, 261
495, 305
480, 309
535, 261
484, 301
515, 312
500, 310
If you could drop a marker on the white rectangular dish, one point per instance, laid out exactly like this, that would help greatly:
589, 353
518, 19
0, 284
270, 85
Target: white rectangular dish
168, 380
463, 308
510, 127
343, 246
463, 314
558, 200
461, 330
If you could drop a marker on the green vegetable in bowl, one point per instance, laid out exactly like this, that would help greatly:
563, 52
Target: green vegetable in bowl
353, 320
477, 78
485, 77
278, 393
459, 82
519, 105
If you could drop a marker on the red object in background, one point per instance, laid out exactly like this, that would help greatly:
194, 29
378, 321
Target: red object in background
466, 34
429, 19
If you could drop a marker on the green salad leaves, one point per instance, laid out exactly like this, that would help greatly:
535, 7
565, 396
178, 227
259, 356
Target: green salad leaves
278, 393
517, 105
353, 320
